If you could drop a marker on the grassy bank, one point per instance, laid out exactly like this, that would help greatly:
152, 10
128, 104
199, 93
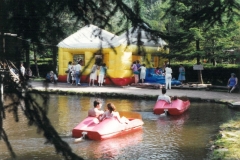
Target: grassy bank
227, 144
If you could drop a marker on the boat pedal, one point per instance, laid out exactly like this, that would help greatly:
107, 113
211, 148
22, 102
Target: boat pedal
84, 134
81, 138
166, 111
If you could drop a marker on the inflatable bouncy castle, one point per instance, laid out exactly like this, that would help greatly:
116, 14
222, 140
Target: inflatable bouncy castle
117, 52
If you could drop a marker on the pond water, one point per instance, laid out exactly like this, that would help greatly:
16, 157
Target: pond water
163, 137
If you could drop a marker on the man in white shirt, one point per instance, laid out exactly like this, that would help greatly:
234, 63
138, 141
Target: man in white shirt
78, 69
164, 96
168, 77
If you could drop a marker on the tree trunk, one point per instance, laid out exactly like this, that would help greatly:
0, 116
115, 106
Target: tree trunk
214, 62
2, 28
27, 55
35, 61
200, 80
213, 46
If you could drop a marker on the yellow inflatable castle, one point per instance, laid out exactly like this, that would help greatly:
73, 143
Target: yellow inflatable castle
117, 52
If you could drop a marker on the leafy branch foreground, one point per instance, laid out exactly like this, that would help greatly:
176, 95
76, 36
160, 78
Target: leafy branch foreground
35, 112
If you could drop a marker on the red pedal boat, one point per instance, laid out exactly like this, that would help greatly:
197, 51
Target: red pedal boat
177, 107
108, 128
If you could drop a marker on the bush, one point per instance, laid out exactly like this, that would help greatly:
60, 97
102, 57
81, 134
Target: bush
43, 69
215, 75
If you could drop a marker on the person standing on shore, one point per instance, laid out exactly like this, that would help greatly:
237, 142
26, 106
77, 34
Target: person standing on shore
135, 72
69, 76
181, 76
168, 77
102, 73
78, 69
143, 73
139, 69
73, 76
22, 69
93, 74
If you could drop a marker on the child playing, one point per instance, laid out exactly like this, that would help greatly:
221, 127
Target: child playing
73, 77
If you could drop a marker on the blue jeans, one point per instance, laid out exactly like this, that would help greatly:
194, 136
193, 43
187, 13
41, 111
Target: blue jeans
77, 75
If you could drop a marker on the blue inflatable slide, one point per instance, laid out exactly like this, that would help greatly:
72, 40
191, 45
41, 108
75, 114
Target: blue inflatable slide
151, 77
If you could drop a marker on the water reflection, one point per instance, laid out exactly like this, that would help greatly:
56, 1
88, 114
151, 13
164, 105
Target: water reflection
110, 148
162, 137
175, 121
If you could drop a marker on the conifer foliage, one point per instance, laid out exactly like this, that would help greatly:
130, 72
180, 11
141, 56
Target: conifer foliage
46, 22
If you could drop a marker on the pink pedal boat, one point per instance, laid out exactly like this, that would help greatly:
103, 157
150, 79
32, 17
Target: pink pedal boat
177, 107
108, 128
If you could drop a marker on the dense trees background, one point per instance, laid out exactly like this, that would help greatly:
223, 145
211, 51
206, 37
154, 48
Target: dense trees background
200, 29
187, 26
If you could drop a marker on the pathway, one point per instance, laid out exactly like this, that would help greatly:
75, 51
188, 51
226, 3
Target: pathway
128, 90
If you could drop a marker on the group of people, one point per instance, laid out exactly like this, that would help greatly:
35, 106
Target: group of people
108, 114
23, 72
74, 72
139, 71
75, 69
167, 71
51, 77
101, 76
111, 112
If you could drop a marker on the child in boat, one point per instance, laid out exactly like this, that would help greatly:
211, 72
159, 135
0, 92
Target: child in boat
111, 113
163, 96
96, 112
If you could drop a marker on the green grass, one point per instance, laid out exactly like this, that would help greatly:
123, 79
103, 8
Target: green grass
227, 145
39, 79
